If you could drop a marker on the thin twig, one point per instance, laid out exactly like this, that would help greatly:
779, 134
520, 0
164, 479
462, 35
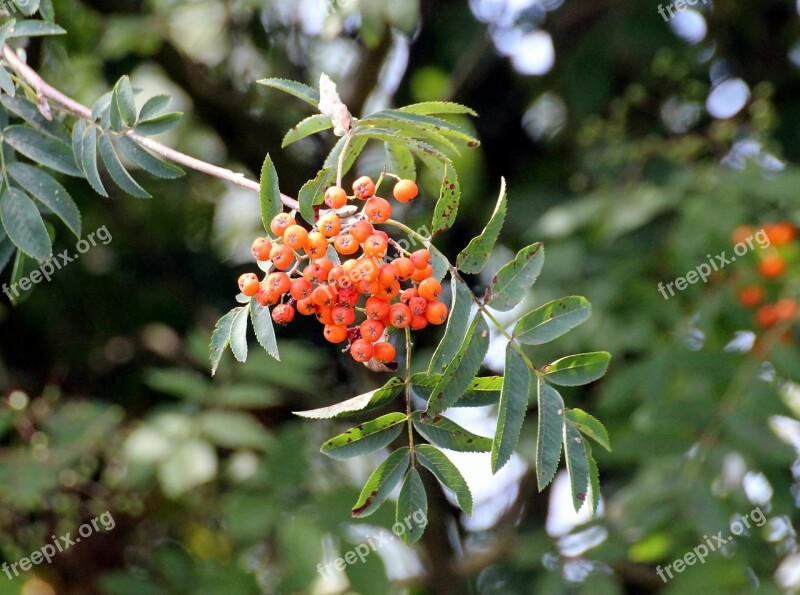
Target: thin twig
45, 91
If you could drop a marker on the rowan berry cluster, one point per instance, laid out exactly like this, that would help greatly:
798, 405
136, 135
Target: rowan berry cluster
368, 285
764, 295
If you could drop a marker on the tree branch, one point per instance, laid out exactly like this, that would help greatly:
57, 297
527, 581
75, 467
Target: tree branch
46, 92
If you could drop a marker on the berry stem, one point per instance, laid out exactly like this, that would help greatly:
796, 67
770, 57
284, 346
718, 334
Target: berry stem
408, 394
44, 92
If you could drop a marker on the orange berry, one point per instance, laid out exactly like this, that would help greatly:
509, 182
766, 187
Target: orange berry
301, 289
345, 244
436, 312
324, 296
279, 282
418, 306
348, 296
260, 249
772, 266
364, 188
267, 297
295, 237
780, 234
376, 246
751, 296
378, 210
373, 287
405, 268
409, 293
399, 315
422, 274
371, 330
389, 292
383, 352
281, 256
337, 275
280, 222
317, 271
786, 309
419, 322
283, 314
316, 245
335, 197
343, 316
330, 225
741, 233
361, 230
361, 350
430, 289
388, 274
405, 190
324, 314
377, 308
306, 307
335, 334
766, 316
248, 284
421, 258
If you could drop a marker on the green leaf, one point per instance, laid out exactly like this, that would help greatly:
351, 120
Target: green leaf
445, 433
311, 125
123, 97
239, 335
313, 192
233, 429
299, 90
460, 372
511, 283
400, 160
382, 481
474, 257
357, 405
6, 84
148, 161
404, 119
23, 267
365, 438
444, 214
594, 480
551, 428
388, 130
158, 124
34, 28
24, 224
437, 107
221, 337
439, 262
154, 106
480, 392
89, 160
270, 194
115, 122
29, 111
577, 464
42, 148
435, 461
513, 405
5, 30
49, 192
116, 170
457, 324
412, 502
575, 370
590, 426
77, 141
7, 249
265, 332
27, 7
101, 106
552, 320
354, 149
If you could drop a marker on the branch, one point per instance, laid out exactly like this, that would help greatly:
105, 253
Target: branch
45, 92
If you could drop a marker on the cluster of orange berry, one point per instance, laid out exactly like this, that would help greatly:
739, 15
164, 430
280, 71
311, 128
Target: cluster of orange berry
771, 267
333, 292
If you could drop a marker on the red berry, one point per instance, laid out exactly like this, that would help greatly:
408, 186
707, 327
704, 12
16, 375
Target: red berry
371, 330
430, 289
361, 350
383, 352
283, 314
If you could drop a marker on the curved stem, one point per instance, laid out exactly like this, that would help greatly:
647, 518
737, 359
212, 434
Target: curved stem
340, 165
46, 92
